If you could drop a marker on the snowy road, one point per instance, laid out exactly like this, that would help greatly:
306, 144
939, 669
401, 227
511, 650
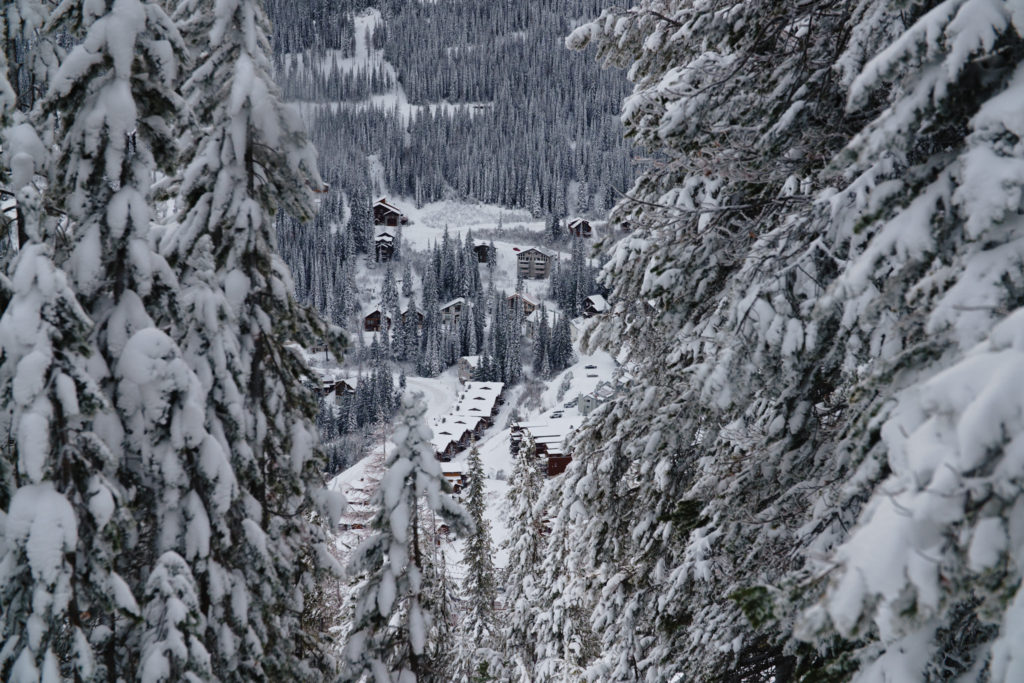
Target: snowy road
439, 393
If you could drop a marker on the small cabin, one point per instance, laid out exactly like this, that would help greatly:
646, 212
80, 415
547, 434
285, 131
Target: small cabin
483, 253
580, 227
337, 386
528, 302
588, 402
384, 246
595, 304
374, 321
456, 478
388, 214
535, 262
445, 447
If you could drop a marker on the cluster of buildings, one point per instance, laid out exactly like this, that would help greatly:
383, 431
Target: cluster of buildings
474, 412
548, 438
586, 403
533, 263
451, 313
549, 435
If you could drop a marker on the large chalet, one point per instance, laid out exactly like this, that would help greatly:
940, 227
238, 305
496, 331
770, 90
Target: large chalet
535, 262
388, 214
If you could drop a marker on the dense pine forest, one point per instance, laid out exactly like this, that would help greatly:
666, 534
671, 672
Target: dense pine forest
530, 125
163, 509
815, 474
537, 118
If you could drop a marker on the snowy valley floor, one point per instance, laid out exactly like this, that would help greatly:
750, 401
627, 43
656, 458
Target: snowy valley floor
359, 482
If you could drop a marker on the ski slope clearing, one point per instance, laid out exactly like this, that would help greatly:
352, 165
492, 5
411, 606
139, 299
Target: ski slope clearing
438, 392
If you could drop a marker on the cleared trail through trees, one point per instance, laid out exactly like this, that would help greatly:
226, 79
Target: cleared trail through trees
439, 397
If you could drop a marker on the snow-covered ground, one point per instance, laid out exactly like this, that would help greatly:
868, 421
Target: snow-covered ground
510, 231
440, 392
426, 227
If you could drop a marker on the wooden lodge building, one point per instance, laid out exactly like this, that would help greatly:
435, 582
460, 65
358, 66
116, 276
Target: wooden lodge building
472, 415
452, 311
384, 246
595, 304
483, 253
388, 214
580, 227
528, 302
548, 438
375, 320
535, 262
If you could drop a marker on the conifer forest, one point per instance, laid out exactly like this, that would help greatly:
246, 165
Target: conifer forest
534, 341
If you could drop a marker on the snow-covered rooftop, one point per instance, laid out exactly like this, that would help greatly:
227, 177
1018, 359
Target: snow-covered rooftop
540, 250
525, 296
599, 303
457, 300
478, 399
383, 203
467, 421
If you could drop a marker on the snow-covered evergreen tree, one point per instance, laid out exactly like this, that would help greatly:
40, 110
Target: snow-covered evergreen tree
250, 161
389, 294
478, 629
522, 592
560, 353
928, 581
702, 475
561, 630
8, 102
541, 342
65, 523
818, 285
407, 282
31, 54
114, 99
392, 622
171, 647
